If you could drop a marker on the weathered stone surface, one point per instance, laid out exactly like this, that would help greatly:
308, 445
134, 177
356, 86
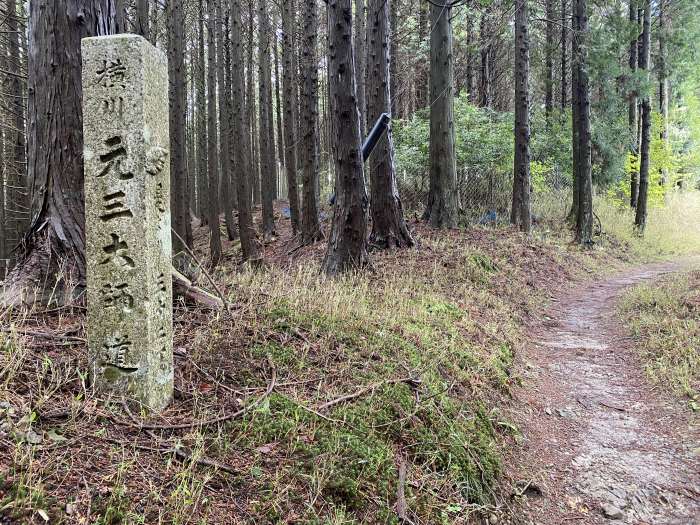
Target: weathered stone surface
127, 213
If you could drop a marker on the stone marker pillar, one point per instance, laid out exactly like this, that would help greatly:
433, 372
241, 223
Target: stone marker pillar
127, 214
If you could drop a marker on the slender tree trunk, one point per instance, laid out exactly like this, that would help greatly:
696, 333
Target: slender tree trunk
485, 52
202, 143
311, 228
291, 97
224, 93
575, 118
267, 162
663, 83
53, 251
142, 23
471, 89
178, 108
347, 244
213, 150
442, 208
241, 138
564, 41
360, 53
584, 218
641, 215
549, 63
278, 118
389, 229
520, 211
632, 111
251, 109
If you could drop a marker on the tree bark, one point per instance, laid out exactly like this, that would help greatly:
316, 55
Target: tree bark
641, 215
549, 63
663, 83
251, 109
142, 23
633, 106
360, 63
267, 161
311, 228
213, 150
178, 109
564, 41
584, 218
347, 244
224, 94
389, 229
441, 211
520, 211
53, 251
202, 151
241, 138
291, 97
485, 53
575, 118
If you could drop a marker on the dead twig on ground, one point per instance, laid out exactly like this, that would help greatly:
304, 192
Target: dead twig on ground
411, 381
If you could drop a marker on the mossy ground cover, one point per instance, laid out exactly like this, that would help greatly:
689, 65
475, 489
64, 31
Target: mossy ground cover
664, 317
407, 364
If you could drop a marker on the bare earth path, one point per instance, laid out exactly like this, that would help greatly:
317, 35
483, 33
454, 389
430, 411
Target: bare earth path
601, 444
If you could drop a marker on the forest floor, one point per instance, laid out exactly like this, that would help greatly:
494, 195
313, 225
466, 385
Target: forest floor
601, 442
400, 395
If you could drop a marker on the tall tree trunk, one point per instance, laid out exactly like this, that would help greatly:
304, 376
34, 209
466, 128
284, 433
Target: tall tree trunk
389, 229
663, 82
224, 92
442, 207
56, 237
178, 109
267, 161
360, 65
394, 54
421, 63
641, 215
241, 138
213, 150
485, 53
520, 211
15, 135
564, 41
291, 97
202, 143
549, 63
251, 109
311, 228
633, 106
142, 23
584, 218
347, 244
471, 90
278, 118
575, 118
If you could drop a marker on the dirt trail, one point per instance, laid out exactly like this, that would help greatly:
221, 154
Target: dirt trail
601, 444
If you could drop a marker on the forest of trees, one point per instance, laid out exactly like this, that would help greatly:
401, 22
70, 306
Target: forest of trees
273, 100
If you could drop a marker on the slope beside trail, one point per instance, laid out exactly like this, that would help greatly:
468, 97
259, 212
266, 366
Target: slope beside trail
601, 445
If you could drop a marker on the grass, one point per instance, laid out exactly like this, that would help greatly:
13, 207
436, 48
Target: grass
672, 230
665, 318
411, 363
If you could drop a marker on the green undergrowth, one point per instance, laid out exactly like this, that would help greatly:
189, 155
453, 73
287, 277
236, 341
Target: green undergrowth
665, 319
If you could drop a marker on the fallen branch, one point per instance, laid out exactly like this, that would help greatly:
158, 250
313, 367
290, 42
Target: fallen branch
412, 382
201, 267
401, 506
183, 286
